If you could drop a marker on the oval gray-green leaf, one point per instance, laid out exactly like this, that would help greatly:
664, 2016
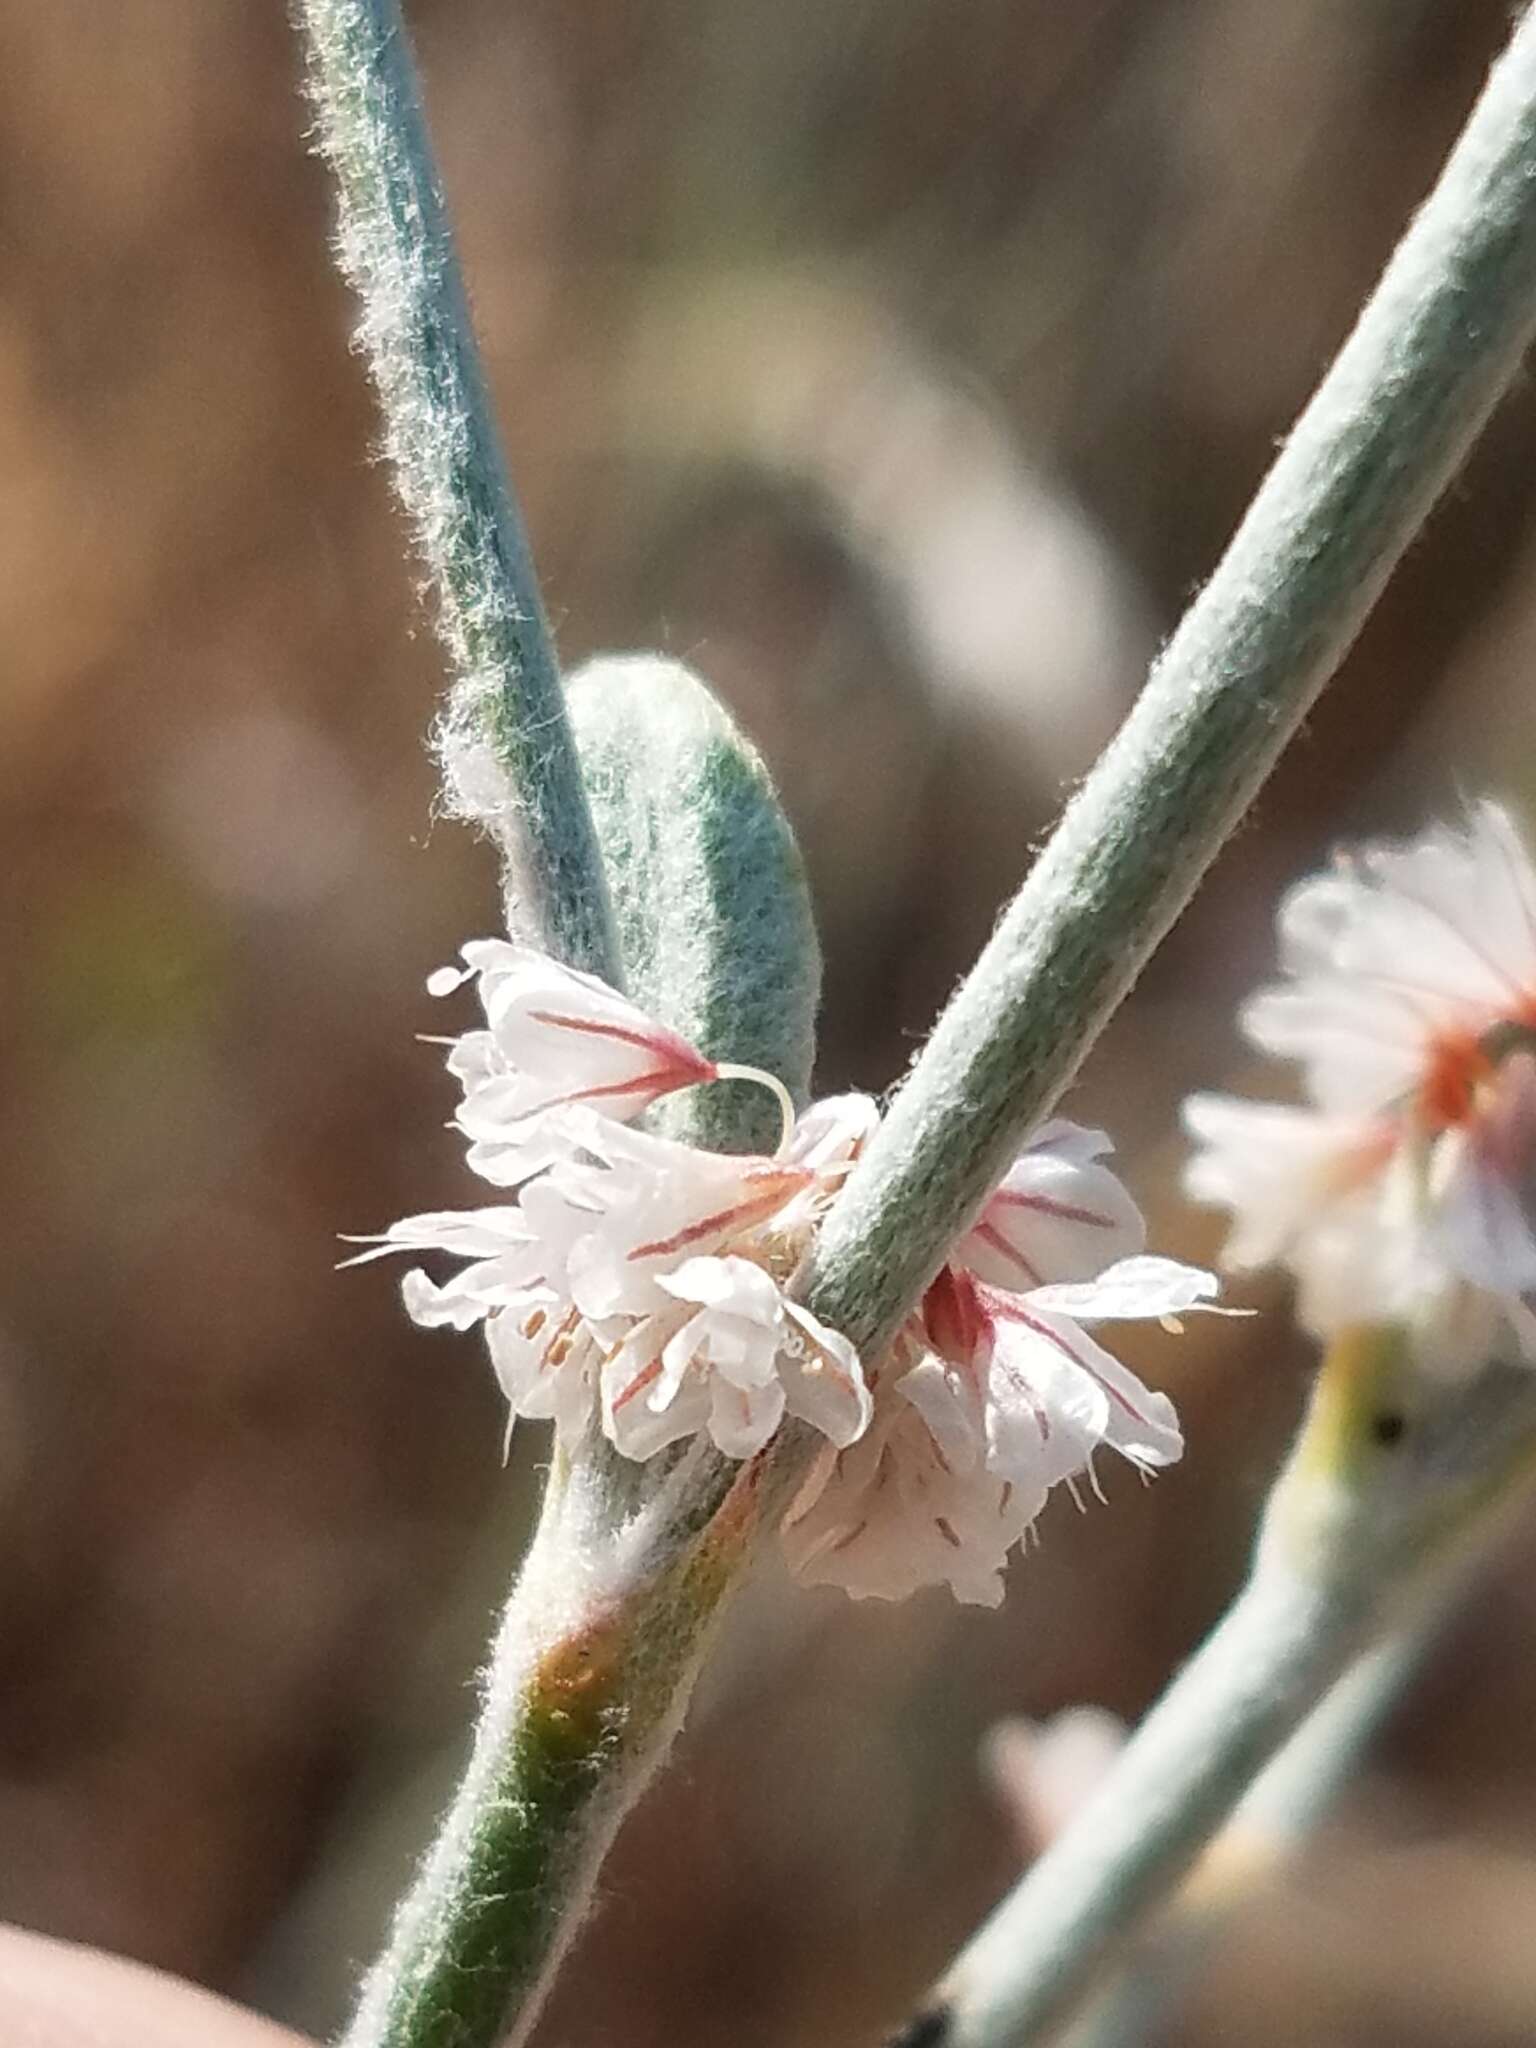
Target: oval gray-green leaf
709, 893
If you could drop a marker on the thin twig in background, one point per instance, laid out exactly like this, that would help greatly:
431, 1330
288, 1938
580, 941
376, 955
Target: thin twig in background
1269, 1828
1362, 1523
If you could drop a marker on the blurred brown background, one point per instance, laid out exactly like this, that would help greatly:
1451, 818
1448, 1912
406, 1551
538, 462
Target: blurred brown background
905, 367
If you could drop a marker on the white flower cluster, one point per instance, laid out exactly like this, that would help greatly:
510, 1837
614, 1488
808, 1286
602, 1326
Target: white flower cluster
993, 1391
643, 1286
1406, 1187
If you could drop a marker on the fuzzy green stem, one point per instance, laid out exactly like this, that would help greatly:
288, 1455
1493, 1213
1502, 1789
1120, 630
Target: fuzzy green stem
587, 1684
1435, 347
602, 1638
396, 247
1359, 1522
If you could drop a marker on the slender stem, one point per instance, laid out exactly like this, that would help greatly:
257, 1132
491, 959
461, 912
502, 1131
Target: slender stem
1277, 1648
396, 247
1356, 1526
1270, 1824
587, 1684
1285, 1803
1437, 344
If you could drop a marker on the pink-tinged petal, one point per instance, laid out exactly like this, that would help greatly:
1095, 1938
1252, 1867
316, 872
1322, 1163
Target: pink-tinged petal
741, 1419
600, 1284
1355, 930
833, 1131
1140, 1424
678, 1224
848, 1527
543, 1361
1056, 1215
575, 1402
1313, 916
660, 1205
826, 1141
558, 1037
1146, 1286
822, 1377
506, 1102
680, 1353
1402, 946
1431, 905
511, 1156
467, 1233
715, 1342
517, 1337
1278, 1168
549, 1019
640, 1416
890, 1515
1045, 1417
560, 1204
473, 1060
1362, 1047
738, 1285
949, 1400
1482, 1221
432, 1307
1079, 1143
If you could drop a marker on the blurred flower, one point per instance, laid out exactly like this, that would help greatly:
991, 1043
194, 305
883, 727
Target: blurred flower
1407, 1187
988, 1397
1045, 1772
631, 1279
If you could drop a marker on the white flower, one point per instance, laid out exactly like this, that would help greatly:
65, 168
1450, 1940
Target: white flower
1057, 1213
990, 1397
633, 1280
1410, 1006
895, 1513
553, 1038
655, 1203
730, 1359
640, 1286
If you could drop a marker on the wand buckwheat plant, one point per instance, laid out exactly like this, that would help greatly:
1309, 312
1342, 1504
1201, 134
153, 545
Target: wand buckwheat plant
751, 1314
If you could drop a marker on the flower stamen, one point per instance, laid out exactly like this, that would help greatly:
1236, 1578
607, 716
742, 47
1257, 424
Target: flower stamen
725, 1071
